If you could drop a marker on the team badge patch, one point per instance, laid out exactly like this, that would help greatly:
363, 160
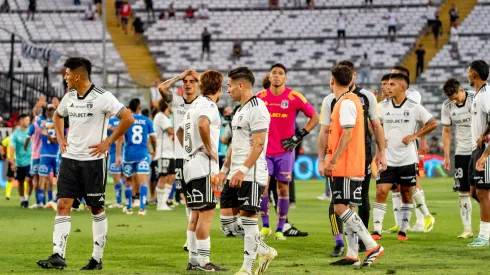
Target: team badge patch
285, 104
90, 106
406, 113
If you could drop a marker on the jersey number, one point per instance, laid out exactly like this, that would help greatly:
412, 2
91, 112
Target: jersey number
187, 138
458, 173
137, 136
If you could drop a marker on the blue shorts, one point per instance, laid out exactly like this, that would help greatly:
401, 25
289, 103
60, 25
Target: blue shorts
113, 168
34, 167
48, 165
138, 167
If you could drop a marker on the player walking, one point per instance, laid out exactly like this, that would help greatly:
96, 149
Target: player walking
136, 156
479, 163
400, 116
246, 168
283, 104
83, 168
199, 135
456, 110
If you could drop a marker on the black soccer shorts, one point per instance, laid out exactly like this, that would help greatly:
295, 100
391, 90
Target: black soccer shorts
461, 177
346, 191
401, 175
165, 167
246, 198
479, 179
85, 179
199, 193
179, 175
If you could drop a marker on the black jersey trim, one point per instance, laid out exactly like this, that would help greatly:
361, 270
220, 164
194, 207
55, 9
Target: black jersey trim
399, 106
86, 94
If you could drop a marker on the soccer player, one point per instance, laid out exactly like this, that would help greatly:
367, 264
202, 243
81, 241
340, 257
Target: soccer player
199, 135
164, 155
180, 105
246, 168
370, 113
346, 165
136, 156
401, 117
479, 164
49, 153
456, 110
115, 169
10, 172
20, 159
283, 104
83, 167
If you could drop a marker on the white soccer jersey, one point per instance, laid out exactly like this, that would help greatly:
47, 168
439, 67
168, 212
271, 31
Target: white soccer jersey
252, 117
414, 95
327, 107
460, 116
89, 117
480, 110
399, 122
165, 142
179, 108
198, 164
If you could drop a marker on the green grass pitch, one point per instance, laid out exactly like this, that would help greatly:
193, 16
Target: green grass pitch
153, 244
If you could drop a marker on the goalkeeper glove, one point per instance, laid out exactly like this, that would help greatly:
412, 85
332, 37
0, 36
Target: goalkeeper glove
290, 143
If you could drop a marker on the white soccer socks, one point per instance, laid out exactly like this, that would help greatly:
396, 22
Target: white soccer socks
192, 247
379, 210
484, 230
406, 213
465, 209
352, 243
251, 244
99, 229
397, 204
419, 201
232, 223
62, 226
162, 196
353, 221
203, 251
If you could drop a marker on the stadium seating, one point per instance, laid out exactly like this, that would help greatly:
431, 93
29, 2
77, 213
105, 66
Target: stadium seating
49, 5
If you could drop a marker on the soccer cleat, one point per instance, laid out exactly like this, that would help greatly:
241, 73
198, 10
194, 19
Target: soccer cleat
265, 260
466, 235
347, 261
429, 224
243, 272
142, 212
191, 267
36, 206
417, 228
394, 229
164, 208
210, 267
280, 236
478, 242
128, 211
294, 232
170, 204
92, 265
227, 231
54, 261
265, 232
24, 204
372, 255
7, 198
402, 236
338, 251
376, 236
185, 246
116, 205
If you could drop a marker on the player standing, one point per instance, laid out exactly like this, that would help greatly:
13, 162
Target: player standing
456, 110
479, 164
283, 104
246, 168
199, 135
346, 164
370, 113
115, 169
83, 167
164, 155
400, 116
136, 156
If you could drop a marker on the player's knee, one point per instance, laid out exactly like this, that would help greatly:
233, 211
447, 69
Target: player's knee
64, 206
380, 195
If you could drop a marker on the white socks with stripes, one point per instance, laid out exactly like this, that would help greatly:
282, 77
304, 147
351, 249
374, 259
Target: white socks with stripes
352, 220
203, 251
379, 210
62, 226
232, 223
99, 229
465, 209
419, 201
406, 214
397, 204
251, 242
192, 247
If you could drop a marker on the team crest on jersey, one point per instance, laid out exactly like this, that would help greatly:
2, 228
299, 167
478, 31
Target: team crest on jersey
406, 113
285, 104
90, 106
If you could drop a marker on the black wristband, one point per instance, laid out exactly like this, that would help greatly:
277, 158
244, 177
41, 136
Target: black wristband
303, 132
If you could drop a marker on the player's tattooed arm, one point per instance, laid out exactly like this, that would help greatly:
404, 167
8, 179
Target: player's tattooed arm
258, 143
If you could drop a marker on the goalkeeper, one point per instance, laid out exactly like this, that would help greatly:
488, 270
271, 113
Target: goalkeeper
283, 104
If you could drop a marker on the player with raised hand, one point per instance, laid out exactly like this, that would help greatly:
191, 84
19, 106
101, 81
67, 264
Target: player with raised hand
283, 104
480, 164
456, 111
136, 165
246, 168
400, 117
199, 135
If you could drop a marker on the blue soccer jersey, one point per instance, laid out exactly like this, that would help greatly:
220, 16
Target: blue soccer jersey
136, 144
113, 122
49, 149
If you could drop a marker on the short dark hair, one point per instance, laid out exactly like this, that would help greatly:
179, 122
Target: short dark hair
145, 112
162, 105
385, 77
481, 68
342, 74
401, 77
242, 73
74, 63
402, 69
134, 104
266, 83
451, 87
210, 82
347, 63
22, 116
279, 65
